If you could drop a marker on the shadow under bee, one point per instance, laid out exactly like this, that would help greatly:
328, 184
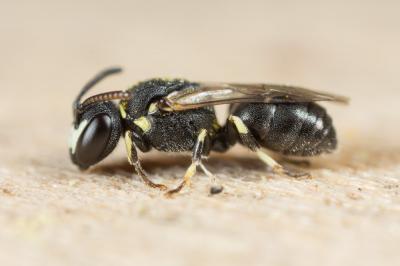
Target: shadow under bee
240, 161
229, 164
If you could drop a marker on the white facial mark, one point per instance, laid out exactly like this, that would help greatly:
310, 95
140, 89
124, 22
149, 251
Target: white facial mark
75, 134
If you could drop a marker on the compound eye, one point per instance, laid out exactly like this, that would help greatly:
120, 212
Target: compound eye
92, 141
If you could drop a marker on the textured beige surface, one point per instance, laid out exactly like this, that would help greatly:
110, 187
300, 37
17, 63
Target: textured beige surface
52, 214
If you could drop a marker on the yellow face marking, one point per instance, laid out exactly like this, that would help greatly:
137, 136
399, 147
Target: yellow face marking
128, 145
153, 108
241, 127
122, 110
143, 123
75, 134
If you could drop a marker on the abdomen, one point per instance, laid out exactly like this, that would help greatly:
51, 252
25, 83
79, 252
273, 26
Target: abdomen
301, 129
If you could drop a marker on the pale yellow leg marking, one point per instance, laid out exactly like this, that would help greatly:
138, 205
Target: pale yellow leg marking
191, 171
202, 135
216, 187
128, 145
241, 127
267, 159
212, 177
143, 123
208, 173
122, 111
276, 167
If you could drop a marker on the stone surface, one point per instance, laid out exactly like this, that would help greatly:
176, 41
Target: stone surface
52, 214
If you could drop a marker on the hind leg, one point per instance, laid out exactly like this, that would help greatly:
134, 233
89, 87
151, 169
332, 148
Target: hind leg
249, 141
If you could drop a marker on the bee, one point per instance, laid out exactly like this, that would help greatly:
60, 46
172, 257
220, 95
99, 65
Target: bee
177, 115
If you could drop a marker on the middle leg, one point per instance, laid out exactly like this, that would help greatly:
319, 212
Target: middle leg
198, 152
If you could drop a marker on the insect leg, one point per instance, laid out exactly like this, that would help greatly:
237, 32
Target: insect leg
249, 141
297, 162
198, 151
134, 160
215, 186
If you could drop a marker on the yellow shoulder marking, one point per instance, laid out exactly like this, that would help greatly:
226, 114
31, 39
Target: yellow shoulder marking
143, 123
153, 108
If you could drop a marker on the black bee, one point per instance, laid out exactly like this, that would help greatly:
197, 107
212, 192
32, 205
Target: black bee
178, 115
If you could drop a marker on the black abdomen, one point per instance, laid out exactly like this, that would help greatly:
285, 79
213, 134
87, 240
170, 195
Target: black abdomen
301, 129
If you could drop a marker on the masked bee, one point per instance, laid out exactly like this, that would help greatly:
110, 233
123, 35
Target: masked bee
178, 116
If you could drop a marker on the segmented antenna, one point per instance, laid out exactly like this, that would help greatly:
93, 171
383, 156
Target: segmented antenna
96, 79
107, 96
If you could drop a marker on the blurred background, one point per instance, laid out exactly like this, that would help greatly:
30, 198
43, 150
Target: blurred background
49, 49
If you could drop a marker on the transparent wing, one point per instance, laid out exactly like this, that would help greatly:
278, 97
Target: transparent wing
206, 94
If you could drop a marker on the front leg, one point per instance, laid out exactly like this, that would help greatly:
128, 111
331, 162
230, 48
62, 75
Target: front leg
134, 160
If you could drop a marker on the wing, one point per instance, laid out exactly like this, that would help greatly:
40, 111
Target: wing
206, 94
